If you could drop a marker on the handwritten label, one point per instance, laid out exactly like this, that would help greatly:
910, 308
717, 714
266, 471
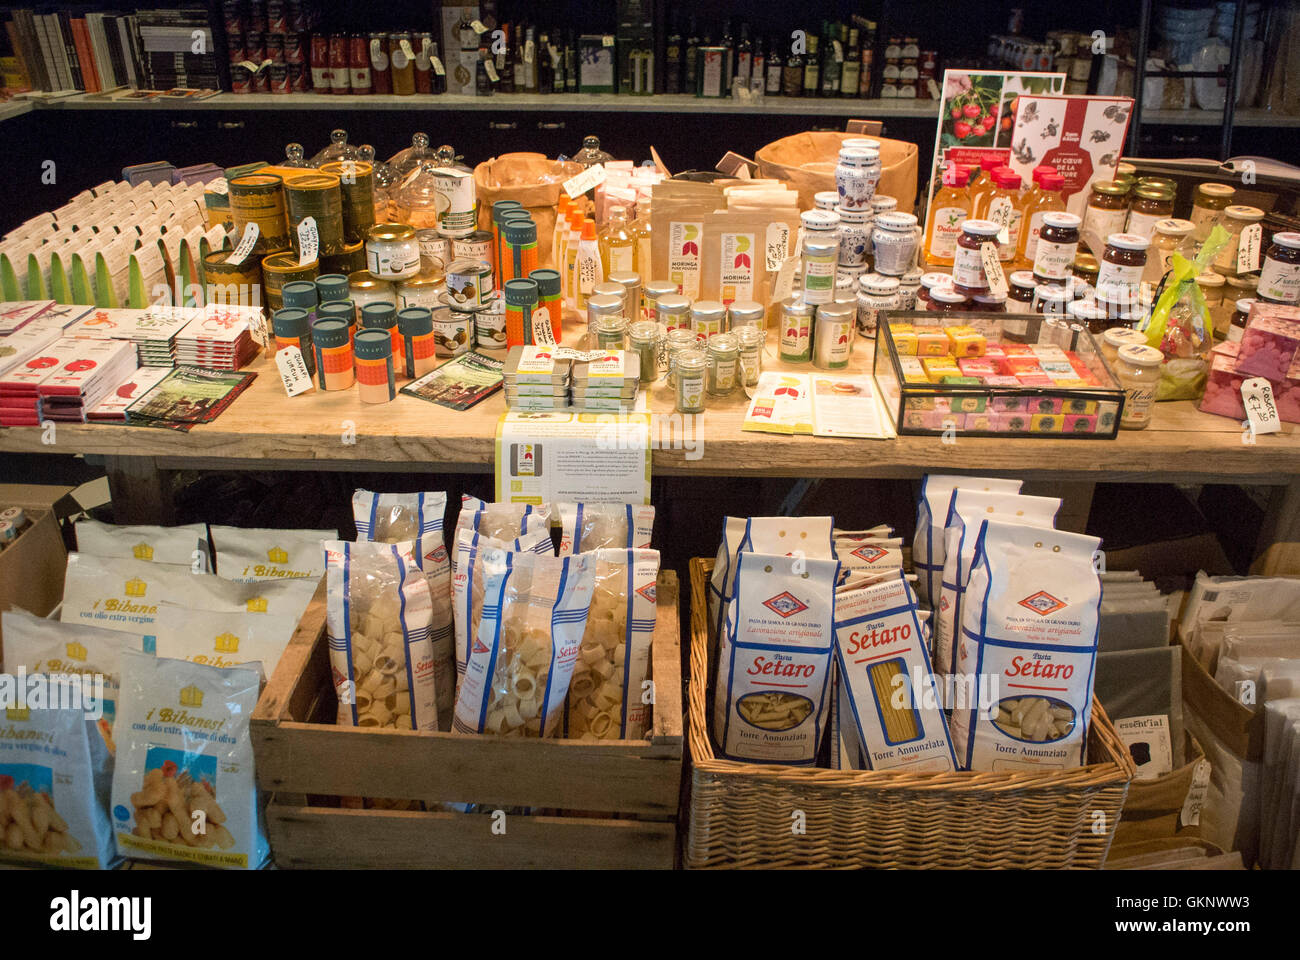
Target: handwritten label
784, 284
1191, 813
541, 322
1000, 213
477, 27
408, 50
1261, 409
293, 370
593, 176
246, 244
438, 68
839, 51
1252, 238
993, 269
530, 51
491, 69
606, 41
778, 245
308, 241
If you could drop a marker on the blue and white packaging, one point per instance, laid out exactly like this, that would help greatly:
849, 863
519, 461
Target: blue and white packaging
594, 526
931, 510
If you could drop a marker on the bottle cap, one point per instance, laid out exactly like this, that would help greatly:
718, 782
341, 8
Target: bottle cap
373, 345
588, 229
383, 315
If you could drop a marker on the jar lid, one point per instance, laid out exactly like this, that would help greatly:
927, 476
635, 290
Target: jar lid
1240, 211
1060, 218
255, 182
988, 296
838, 312
1110, 188
365, 280
1173, 227
1219, 190
415, 321
316, 180
523, 292
861, 143
611, 323
819, 219
285, 261
1086, 310
947, 295
501, 206
626, 278
749, 336
548, 282
291, 322
1021, 278
373, 344
690, 359
519, 231
853, 216
330, 286
429, 278
813, 244
1141, 355
644, 331
391, 232
723, 343
1128, 241
1153, 191
1006, 178
894, 220
673, 303
875, 283
825, 199
658, 289
602, 305
747, 310
1052, 181
1289, 240
710, 309
797, 308
1126, 169
380, 314
329, 332
607, 289
984, 228
912, 278
1209, 279
859, 158
881, 203
1120, 336
1041, 170
680, 337
298, 293
935, 279
1049, 291
1244, 304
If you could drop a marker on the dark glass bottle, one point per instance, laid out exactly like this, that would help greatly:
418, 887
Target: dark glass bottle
812, 70
728, 45
520, 69
831, 64
851, 71
570, 63
505, 63
758, 74
792, 76
689, 55
545, 80
673, 57
775, 68
437, 82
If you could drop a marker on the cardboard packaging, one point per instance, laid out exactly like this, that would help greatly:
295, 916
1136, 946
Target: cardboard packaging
32, 567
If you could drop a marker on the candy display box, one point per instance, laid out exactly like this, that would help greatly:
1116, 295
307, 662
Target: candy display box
946, 374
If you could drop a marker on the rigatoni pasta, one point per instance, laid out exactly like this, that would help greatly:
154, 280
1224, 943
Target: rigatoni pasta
594, 526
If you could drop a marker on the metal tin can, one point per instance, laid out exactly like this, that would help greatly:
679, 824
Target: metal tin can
476, 246
708, 319
674, 312
469, 283
435, 249
747, 313
259, 198
299, 79
631, 284
241, 81
255, 46
490, 325
454, 328
415, 324
278, 75
833, 341
357, 188
651, 294
376, 367
352, 259
275, 48
819, 262
549, 290
316, 194
233, 283
279, 269
332, 343
796, 331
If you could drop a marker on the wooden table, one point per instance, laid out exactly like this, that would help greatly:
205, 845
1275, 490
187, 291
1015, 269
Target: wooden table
265, 430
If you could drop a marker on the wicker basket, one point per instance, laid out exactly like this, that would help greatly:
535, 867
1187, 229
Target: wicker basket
741, 814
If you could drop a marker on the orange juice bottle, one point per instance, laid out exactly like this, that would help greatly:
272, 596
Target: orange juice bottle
1050, 199
948, 209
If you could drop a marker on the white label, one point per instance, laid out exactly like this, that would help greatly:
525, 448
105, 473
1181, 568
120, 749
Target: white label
408, 50
1104, 222
778, 245
438, 68
1261, 410
360, 77
1191, 813
1053, 260
246, 244
378, 59
490, 69
1280, 281
945, 229
968, 268
1248, 248
477, 27
1000, 213
784, 284
1142, 224
839, 51
1115, 276
684, 256
530, 51
1147, 739
541, 321
592, 177
606, 41
308, 241
993, 268
620, 259
293, 370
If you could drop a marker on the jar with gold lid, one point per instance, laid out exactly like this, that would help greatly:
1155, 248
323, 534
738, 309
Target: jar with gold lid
364, 287
1236, 218
425, 289
1152, 202
1208, 204
1107, 209
392, 251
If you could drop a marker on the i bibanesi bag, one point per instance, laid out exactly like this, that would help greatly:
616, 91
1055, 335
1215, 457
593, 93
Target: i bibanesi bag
185, 546
259, 553
932, 510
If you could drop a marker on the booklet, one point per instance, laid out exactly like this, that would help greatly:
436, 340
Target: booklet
188, 395
459, 383
817, 404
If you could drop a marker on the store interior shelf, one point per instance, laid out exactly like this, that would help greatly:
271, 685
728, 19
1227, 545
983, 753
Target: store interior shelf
1213, 118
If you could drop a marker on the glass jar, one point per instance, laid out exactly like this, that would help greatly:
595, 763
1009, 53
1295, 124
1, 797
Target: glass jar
820, 224
929, 283
968, 266
856, 176
819, 259
1169, 236
1114, 338
1107, 210
392, 251
796, 331
825, 199
989, 302
1088, 314
1084, 271
746, 313
1122, 265
425, 289
690, 373
643, 338
875, 294
855, 236
611, 332
1236, 218
364, 288
1138, 372
883, 204
1279, 279
1051, 300
674, 312
895, 238
833, 340
724, 357
1020, 292
1058, 244
1241, 313
908, 288
1242, 285
1212, 288
708, 319
1151, 204
948, 300
750, 341
1210, 201
675, 341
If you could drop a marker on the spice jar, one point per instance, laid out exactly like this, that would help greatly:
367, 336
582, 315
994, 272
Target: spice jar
750, 341
875, 294
820, 224
968, 266
746, 313
673, 311
833, 340
1058, 244
656, 289
1107, 210
1121, 266
1236, 218
723, 356
611, 332
630, 281
895, 238
819, 259
855, 236
909, 285
598, 308
1210, 201
364, 288
708, 319
856, 176
675, 341
1116, 337
796, 331
643, 338
392, 252
948, 300
332, 342
1020, 292
1138, 372
690, 373
376, 376
292, 327
1279, 279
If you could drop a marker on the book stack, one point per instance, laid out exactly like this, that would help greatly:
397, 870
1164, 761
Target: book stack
112, 409
186, 396
156, 331
17, 348
67, 51
222, 339
167, 41
79, 384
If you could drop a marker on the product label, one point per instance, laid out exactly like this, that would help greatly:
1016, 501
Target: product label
1104, 222
992, 268
1252, 237
690, 390
378, 59
945, 229
783, 285
736, 267
968, 268
587, 269
620, 259
818, 280
796, 337
360, 77
1205, 220
1280, 281
589, 179
1053, 260
1143, 224
1137, 403
684, 257
1191, 812
246, 244
308, 241
437, 66
490, 69
541, 324
1261, 408
1113, 276
459, 214
1031, 241
1147, 738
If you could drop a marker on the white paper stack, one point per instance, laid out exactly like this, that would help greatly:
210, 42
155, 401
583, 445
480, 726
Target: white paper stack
157, 330
222, 339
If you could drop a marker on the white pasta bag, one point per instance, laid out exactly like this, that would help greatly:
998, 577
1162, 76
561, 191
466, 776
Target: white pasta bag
282, 600
965, 511
846, 750
882, 530
1279, 787
931, 510
115, 593
259, 553
607, 692
39, 645
1030, 624
869, 554
183, 784
895, 710
500, 521
185, 545
593, 526
467, 584
55, 774
377, 617
773, 678
525, 644
221, 638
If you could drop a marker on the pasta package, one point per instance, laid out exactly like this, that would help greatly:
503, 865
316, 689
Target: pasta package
846, 750
183, 784
259, 553
1030, 622
116, 593
467, 584
377, 616
397, 517
966, 509
221, 638
927, 544
500, 521
594, 526
184, 545
775, 659
54, 787
525, 643
895, 711
606, 692
869, 554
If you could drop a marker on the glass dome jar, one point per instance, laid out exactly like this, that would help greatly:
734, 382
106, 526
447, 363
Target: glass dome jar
294, 157
438, 193
338, 149
591, 154
404, 161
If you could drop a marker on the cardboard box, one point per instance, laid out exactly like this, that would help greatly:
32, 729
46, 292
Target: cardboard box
32, 567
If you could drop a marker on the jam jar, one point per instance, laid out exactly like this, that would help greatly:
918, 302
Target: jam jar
1020, 292
1122, 265
1239, 318
929, 283
855, 236
989, 302
1107, 208
1171, 236
1207, 207
1138, 371
1279, 280
948, 300
968, 267
894, 243
1236, 218
1152, 202
1058, 244
1051, 301
1089, 314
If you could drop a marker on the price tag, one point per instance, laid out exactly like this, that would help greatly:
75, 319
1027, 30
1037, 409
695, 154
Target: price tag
246, 244
541, 322
593, 176
477, 27
1261, 409
1252, 238
839, 51
778, 245
408, 50
555, 55
438, 68
993, 268
375, 50
784, 284
1000, 213
293, 370
530, 51
933, 88
249, 65
491, 69
308, 241
607, 41
1191, 813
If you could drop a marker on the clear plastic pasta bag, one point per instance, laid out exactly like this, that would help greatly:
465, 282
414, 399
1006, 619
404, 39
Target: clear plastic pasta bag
525, 644
594, 526
500, 521
606, 694
377, 616
1030, 621
397, 517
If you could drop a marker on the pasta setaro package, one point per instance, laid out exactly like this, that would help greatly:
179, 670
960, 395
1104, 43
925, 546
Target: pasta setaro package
54, 782
594, 526
525, 644
185, 546
397, 517
607, 695
500, 521
1030, 623
931, 510
257, 553
895, 712
377, 616
773, 677
183, 785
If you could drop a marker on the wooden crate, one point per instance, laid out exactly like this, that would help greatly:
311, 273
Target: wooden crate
304, 761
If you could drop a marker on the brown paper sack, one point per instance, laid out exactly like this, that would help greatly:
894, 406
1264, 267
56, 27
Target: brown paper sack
533, 181
807, 161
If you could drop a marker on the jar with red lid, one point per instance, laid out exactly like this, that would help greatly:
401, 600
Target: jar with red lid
948, 300
968, 266
1121, 266
1279, 279
1058, 242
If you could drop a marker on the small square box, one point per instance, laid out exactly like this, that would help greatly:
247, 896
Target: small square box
965, 342
931, 344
